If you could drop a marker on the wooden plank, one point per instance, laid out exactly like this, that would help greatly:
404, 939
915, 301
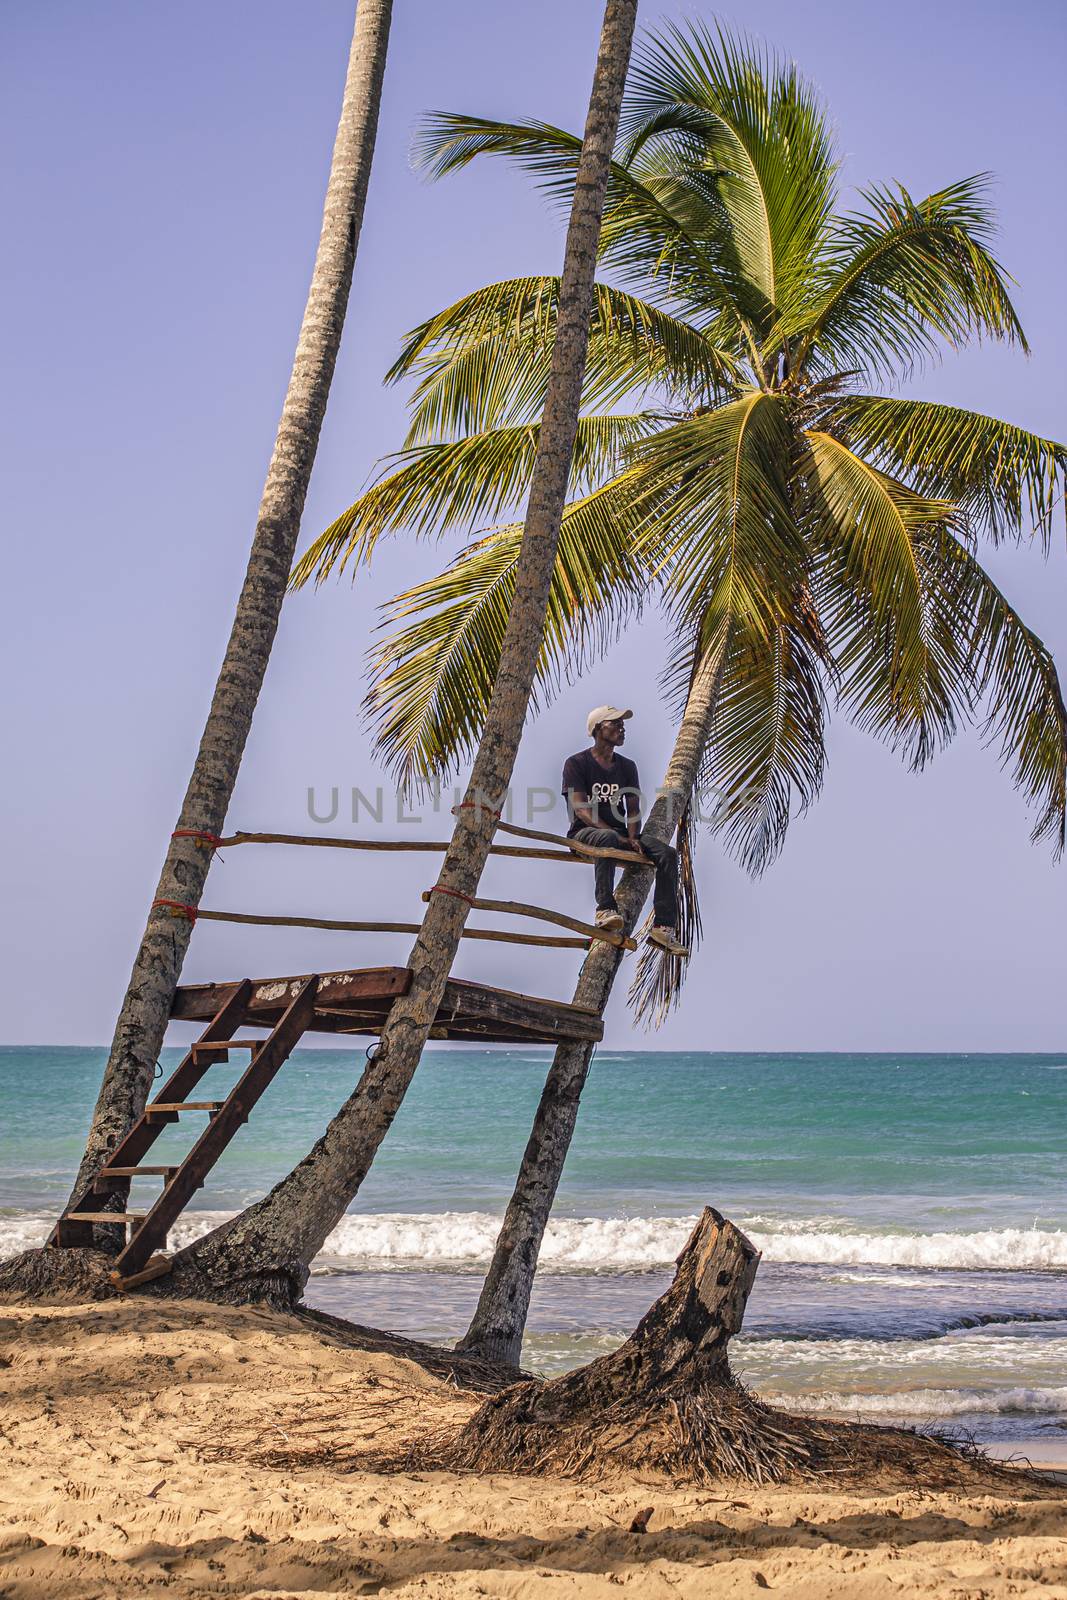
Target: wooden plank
517, 908
552, 1019
182, 1105
333, 842
133, 1172
155, 1269
107, 1216
268, 997
216, 1136
202, 1046
359, 1002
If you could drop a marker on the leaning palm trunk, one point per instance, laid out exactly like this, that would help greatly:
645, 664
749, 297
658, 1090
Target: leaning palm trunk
497, 1329
267, 1251
146, 1008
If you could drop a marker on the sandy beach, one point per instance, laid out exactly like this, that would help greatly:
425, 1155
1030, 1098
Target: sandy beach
152, 1445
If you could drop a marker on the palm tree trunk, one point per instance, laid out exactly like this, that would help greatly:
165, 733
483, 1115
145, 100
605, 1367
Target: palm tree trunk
497, 1327
146, 1008
267, 1250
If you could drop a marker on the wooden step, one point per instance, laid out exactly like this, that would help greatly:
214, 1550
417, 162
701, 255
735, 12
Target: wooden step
107, 1216
183, 1105
202, 1046
155, 1269
135, 1172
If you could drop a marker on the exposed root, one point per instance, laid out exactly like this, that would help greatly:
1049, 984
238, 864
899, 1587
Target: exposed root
716, 1431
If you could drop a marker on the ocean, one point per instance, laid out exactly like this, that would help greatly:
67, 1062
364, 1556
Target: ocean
911, 1210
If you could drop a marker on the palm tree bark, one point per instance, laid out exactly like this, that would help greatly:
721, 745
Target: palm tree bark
146, 1008
266, 1251
497, 1328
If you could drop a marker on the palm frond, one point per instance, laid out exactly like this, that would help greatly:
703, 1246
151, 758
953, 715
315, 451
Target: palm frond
703, 103
902, 276
659, 977
1014, 676
766, 756
645, 234
1006, 481
432, 675
462, 483
899, 675
713, 495
484, 361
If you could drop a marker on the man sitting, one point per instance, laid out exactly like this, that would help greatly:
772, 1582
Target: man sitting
603, 795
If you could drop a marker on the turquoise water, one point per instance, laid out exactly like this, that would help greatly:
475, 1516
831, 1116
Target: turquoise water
910, 1209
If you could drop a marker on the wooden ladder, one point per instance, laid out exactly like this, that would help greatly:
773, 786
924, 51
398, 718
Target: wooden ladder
148, 1230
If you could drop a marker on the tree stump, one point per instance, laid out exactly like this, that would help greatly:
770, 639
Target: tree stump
665, 1400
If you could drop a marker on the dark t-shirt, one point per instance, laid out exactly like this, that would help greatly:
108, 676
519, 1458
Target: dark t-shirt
612, 792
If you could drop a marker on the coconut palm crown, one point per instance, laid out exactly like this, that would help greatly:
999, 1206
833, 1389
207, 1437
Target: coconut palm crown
732, 460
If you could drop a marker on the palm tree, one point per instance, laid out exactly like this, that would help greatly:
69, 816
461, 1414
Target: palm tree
807, 537
142, 1020
267, 1250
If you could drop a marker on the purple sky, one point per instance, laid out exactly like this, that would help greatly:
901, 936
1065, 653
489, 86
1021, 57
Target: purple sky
160, 216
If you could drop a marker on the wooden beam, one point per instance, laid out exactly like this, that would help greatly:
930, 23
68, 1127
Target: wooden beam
494, 935
516, 908
331, 842
195, 1002
560, 1018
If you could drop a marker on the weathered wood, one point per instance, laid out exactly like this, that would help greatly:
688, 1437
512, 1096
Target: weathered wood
358, 1002
135, 1172
333, 842
555, 1018
498, 936
154, 1106
665, 1400
205, 1047
128, 1218
156, 1268
517, 908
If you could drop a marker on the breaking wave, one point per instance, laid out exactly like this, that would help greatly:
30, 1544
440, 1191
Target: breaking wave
619, 1244
926, 1403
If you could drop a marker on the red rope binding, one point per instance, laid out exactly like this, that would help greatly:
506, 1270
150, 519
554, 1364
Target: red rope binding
177, 907
457, 894
476, 805
212, 839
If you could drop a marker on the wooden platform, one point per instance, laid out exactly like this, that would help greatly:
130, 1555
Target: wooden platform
358, 1002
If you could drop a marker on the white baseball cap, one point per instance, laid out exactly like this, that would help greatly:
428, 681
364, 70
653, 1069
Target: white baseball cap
605, 714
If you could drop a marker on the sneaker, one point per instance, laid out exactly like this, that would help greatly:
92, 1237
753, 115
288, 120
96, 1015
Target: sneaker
667, 940
612, 921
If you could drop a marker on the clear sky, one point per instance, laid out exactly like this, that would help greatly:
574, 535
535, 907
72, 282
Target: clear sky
161, 204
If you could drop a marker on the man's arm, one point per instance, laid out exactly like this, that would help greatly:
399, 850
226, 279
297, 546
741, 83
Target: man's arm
579, 804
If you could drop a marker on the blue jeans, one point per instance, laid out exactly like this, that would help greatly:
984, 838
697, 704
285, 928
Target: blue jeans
665, 856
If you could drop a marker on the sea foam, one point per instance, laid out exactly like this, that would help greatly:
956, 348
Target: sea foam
926, 1403
618, 1244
